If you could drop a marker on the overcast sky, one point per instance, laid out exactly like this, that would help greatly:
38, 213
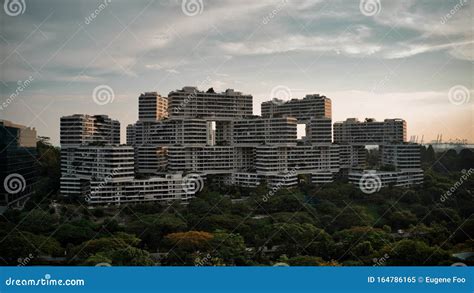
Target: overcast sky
392, 59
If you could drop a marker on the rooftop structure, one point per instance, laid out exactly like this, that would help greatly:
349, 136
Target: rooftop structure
370, 131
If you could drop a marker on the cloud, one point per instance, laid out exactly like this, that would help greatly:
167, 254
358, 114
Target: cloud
415, 49
173, 71
353, 41
151, 45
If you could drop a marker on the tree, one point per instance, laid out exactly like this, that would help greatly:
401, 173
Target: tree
465, 231
152, 228
131, 256
355, 235
466, 158
21, 244
350, 217
190, 240
401, 219
75, 232
300, 238
413, 253
183, 245
224, 221
229, 247
49, 159
105, 244
38, 221
98, 258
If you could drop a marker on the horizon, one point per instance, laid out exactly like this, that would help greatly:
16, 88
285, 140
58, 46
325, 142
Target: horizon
410, 60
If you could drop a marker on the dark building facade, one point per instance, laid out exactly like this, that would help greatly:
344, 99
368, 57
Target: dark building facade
18, 163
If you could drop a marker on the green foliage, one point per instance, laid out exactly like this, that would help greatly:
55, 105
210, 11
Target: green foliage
401, 219
75, 232
38, 221
355, 235
105, 244
152, 228
21, 244
414, 252
49, 160
229, 247
305, 238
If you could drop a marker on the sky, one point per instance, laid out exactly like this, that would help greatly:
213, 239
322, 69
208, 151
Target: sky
379, 59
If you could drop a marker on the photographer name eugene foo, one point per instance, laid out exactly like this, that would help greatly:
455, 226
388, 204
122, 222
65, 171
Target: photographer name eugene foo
420, 279
443, 280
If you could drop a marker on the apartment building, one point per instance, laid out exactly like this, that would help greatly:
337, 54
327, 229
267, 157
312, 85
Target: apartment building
215, 134
257, 130
370, 132
400, 178
152, 107
400, 166
86, 163
189, 102
401, 156
80, 129
206, 159
18, 161
170, 132
131, 134
95, 167
319, 130
311, 106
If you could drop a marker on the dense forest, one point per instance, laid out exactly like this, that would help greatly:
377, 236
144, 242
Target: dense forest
330, 225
